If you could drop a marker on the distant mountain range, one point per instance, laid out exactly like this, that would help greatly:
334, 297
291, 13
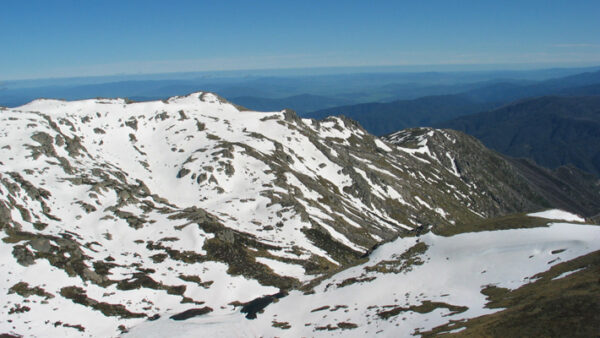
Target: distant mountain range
385, 103
301, 103
384, 118
508, 117
362, 86
579, 84
552, 131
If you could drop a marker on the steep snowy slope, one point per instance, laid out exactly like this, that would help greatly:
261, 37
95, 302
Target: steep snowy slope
506, 184
122, 212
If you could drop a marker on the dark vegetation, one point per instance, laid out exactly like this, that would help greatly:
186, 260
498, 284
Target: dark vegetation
425, 307
516, 221
78, 295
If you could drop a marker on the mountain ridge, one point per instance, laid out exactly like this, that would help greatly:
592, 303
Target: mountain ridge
384, 118
138, 210
551, 130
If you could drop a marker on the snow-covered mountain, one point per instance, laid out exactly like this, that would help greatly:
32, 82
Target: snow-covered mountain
410, 286
116, 216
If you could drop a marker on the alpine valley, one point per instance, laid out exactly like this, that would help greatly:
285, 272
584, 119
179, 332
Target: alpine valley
193, 216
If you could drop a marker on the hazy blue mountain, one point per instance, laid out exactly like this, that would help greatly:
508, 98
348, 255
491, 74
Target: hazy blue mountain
384, 118
358, 85
300, 103
511, 91
553, 131
590, 90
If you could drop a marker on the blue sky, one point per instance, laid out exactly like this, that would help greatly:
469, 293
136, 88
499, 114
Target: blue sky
85, 37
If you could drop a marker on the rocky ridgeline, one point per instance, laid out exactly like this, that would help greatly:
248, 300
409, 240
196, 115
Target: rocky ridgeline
511, 185
124, 212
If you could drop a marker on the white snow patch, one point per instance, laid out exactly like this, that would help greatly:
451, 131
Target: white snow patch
379, 143
558, 215
565, 274
284, 269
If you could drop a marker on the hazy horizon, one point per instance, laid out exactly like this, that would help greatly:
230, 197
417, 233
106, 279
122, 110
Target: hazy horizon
317, 71
87, 38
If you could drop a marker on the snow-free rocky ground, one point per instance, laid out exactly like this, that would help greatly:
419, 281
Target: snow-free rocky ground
115, 216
